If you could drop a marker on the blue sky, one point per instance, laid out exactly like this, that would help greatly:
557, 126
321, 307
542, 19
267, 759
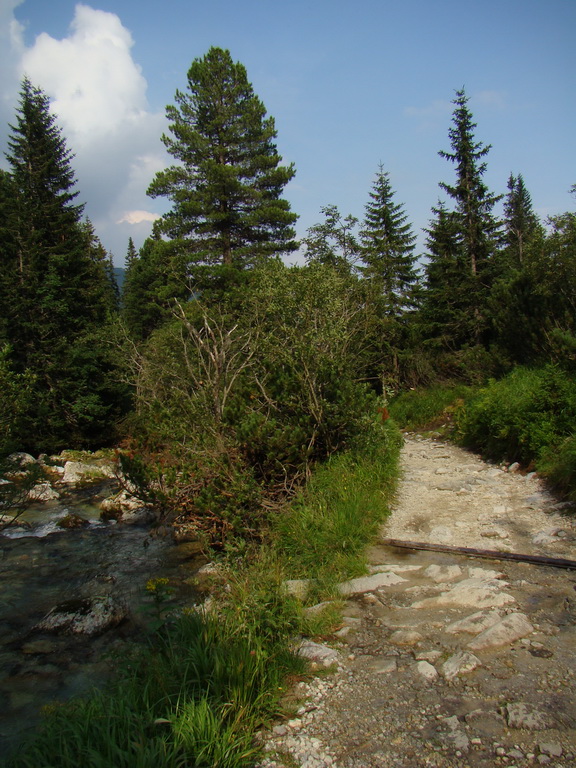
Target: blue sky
350, 83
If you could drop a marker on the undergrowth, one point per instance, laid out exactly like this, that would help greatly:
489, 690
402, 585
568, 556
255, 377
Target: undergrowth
432, 408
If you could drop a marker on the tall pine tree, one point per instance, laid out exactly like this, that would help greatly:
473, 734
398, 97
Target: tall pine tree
388, 247
226, 191
476, 228
57, 277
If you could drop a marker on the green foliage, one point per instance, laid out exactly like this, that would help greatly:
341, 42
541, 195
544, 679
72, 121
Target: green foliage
194, 698
462, 243
16, 401
523, 416
558, 465
323, 533
56, 290
226, 188
333, 242
388, 247
237, 403
154, 279
429, 408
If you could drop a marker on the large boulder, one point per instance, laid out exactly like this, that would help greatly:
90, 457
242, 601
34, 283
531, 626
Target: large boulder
83, 616
82, 472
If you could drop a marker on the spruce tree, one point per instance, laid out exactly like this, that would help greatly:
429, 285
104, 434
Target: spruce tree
59, 283
444, 318
477, 228
388, 247
226, 191
520, 222
155, 277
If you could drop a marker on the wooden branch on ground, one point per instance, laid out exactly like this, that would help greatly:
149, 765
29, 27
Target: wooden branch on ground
554, 562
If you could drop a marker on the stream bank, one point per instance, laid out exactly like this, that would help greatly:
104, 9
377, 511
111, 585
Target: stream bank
74, 599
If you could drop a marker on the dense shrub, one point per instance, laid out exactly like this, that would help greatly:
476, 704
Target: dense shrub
521, 417
236, 403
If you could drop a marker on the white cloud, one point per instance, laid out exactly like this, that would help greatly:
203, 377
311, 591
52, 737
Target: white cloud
95, 85
137, 217
98, 94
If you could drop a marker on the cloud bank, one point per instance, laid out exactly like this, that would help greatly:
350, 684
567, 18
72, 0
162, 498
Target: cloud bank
98, 94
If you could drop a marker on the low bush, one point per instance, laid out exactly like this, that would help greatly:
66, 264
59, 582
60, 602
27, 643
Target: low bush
521, 417
429, 408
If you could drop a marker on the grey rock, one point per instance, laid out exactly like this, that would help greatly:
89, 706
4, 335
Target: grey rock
522, 715
88, 616
80, 472
369, 583
460, 663
550, 748
297, 587
317, 653
506, 631
474, 624
426, 670
382, 666
479, 593
43, 492
405, 637
443, 573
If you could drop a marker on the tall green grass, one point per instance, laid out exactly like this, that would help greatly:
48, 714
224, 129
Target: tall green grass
323, 534
195, 698
429, 408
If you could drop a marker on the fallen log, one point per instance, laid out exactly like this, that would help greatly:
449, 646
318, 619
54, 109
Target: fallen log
491, 554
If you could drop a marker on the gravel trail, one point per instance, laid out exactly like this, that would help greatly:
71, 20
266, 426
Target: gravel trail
444, 660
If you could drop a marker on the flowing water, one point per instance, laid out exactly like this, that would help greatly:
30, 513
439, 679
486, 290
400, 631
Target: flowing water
43, 566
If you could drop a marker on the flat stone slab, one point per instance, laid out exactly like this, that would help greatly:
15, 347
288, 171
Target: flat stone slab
478, 593
504, 632
521, 715
443, 573
370, 583
474, 624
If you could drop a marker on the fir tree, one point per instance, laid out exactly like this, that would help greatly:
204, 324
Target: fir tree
227, 209
154, 278
388, 247
477, 230
131, 253
473, 202
443, 315
520, 222
58, 280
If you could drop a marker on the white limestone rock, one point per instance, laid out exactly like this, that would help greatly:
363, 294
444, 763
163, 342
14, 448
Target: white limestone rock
369, 583
474, 624
459, 664
504, 632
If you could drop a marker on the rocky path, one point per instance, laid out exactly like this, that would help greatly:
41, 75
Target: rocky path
444, 660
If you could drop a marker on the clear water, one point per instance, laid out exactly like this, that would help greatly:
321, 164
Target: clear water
43, 566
